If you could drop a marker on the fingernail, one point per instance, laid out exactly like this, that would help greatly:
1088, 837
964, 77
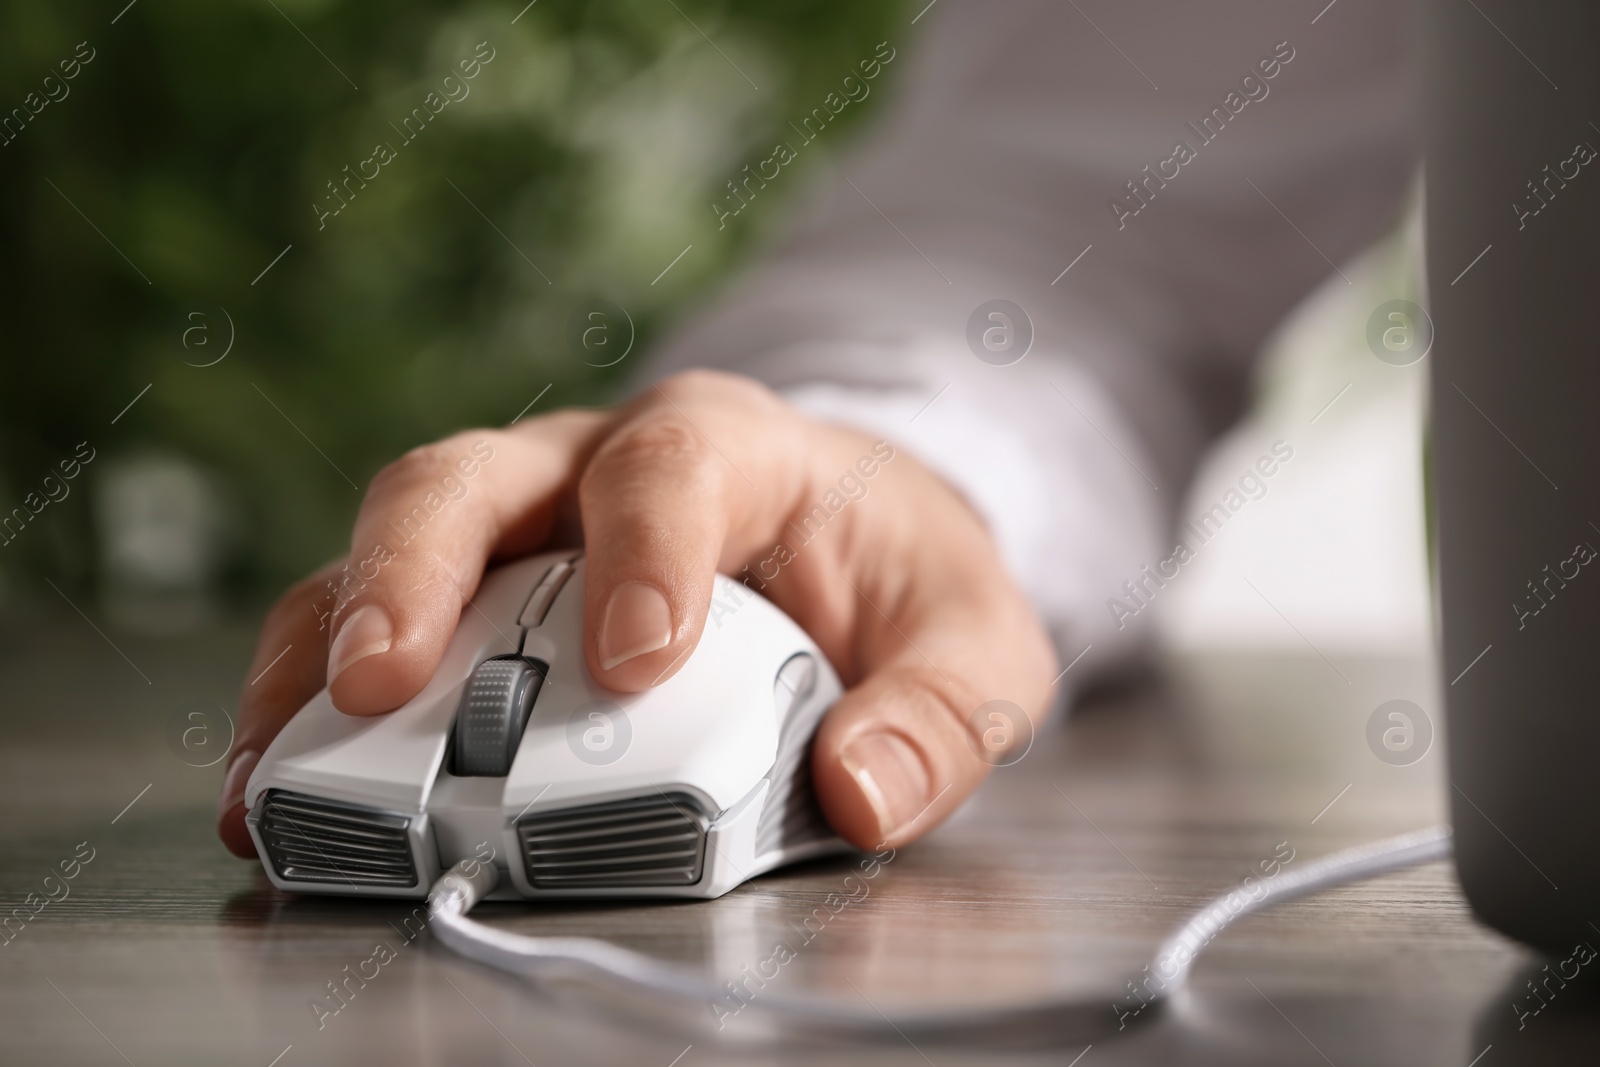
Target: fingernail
637, 620
237, 778
892, 777
366, 633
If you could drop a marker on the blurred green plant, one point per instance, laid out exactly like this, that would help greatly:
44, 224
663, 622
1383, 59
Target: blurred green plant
190, 151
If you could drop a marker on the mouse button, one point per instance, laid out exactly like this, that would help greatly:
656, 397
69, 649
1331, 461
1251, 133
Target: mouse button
795, 681
534, 595
494, 709
544, 594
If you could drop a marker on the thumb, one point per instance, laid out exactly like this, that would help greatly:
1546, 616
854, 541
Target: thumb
952, 695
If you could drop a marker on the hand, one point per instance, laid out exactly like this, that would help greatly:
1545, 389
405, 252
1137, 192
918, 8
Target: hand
902, 587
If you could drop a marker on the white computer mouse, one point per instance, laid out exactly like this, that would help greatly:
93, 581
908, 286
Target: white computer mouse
513, 752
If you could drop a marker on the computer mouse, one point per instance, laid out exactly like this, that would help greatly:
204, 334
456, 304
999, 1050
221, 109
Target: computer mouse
513, 754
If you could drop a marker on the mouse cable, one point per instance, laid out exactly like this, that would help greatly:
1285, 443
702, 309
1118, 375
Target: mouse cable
631, 976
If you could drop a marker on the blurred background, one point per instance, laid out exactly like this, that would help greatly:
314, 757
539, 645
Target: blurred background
224, 312
221, 366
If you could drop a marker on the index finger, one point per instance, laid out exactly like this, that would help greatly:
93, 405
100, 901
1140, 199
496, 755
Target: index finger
428, 526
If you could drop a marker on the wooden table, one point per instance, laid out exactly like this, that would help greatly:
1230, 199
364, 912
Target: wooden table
1061, 875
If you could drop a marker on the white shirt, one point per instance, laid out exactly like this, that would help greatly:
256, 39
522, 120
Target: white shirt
1016, 143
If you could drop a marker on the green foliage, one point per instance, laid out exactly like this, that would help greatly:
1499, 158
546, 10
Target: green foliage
195, 143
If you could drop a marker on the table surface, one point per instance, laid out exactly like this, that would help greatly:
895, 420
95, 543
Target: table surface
1058, 878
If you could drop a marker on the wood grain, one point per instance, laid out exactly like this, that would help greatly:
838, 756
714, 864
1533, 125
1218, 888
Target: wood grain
1062, 873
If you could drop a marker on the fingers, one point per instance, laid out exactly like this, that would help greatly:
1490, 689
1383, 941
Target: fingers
701, 473
289, 667
429, 524
935, 640
696, 472
373, 627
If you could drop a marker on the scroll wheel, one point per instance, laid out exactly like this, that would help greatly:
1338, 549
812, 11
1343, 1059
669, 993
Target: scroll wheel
494, 711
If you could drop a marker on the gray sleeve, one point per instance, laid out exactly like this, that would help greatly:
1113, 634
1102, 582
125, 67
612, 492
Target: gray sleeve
1198, 167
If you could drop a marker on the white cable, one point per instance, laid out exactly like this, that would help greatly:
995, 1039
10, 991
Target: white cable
1178, 952
653, 982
